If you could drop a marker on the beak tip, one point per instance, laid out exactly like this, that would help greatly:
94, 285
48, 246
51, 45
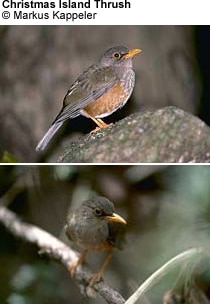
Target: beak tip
116, 218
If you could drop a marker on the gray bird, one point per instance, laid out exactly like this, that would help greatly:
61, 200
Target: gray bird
94, 226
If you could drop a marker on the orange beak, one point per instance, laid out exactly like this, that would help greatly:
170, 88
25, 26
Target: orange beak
132, 53
115, 218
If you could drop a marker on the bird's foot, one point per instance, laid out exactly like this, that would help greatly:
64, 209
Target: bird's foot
73, 267
99, 128
95, 277
77, 262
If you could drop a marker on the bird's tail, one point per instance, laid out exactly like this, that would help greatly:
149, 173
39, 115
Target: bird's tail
48, 136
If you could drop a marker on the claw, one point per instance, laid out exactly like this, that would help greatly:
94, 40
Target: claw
73, 267
95, 277
77, 262
99, 128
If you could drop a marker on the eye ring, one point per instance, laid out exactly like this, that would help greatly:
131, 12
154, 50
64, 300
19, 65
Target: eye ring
117, 55
98, 212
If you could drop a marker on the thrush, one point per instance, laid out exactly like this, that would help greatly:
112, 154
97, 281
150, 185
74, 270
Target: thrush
98, 92
94, 226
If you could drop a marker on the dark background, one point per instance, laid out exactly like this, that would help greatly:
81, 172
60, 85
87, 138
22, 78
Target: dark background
167, 209
39, 63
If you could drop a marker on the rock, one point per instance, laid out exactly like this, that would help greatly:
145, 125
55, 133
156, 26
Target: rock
166, 135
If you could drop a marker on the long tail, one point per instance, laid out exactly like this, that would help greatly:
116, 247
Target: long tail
48, 136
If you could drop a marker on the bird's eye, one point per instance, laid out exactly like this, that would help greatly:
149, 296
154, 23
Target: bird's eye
116, 55
98, 212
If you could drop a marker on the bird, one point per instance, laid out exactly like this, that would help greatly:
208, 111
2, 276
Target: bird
94, 226
99, 91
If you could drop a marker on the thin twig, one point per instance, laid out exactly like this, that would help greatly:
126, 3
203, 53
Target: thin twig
161, 272
54, 248
17, 187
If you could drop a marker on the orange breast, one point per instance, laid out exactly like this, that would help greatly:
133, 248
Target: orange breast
107, 103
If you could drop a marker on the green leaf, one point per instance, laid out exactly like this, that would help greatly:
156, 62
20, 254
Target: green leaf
8, 158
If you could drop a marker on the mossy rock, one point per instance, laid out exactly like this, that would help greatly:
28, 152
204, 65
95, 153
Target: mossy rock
166, 135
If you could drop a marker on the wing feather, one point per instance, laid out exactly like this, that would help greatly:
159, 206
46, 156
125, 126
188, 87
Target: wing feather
91, 85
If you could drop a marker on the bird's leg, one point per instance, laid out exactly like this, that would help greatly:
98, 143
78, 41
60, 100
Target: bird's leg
77, 262
100, 123
98, 275
103, 124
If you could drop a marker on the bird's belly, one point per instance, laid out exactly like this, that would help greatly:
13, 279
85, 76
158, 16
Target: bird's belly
93, 239
108, 103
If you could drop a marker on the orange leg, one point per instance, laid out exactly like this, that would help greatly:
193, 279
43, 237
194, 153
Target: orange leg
77, 262
98, 275
100, 123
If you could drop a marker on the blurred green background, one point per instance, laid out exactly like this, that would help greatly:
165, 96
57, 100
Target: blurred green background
39, 64
167, 209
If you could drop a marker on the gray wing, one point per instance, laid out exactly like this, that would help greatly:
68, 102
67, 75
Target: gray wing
92, 84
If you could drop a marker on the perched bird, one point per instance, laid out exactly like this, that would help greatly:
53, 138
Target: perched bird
94, 226
98, 92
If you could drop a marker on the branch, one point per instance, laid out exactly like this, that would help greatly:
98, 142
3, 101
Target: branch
54, 248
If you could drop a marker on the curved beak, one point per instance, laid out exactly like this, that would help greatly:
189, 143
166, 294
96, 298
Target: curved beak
115, 218
132, 53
